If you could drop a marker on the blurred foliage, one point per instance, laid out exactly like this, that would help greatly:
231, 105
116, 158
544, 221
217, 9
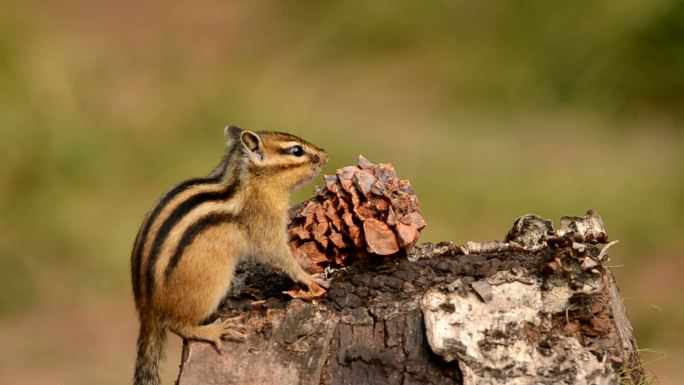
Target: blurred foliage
492, 109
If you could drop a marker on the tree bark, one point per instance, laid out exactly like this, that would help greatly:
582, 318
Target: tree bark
538, 308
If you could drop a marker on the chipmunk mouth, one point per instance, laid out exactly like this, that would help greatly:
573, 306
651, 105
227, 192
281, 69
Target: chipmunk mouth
304, 181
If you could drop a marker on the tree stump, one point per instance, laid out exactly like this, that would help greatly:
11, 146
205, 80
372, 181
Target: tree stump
539, 308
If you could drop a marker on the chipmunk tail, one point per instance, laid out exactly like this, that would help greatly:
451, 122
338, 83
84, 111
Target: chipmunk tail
151, 340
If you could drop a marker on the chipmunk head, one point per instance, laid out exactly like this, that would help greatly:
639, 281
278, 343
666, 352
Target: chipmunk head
282, 159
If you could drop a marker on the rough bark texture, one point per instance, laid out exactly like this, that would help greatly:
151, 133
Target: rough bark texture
534, 309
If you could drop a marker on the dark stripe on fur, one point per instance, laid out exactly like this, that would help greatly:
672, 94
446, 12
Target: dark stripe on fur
141, 239
176, 215
192, 232
275, 169
135, 265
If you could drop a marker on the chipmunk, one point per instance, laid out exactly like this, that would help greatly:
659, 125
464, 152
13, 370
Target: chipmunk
185, 253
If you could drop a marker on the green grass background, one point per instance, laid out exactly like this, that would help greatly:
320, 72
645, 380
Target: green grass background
492, 109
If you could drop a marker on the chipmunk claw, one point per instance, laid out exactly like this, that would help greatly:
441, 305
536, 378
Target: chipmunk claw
321, 279
217, 344
314, 291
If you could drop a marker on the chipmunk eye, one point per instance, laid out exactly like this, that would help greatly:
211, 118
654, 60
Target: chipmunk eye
297, 150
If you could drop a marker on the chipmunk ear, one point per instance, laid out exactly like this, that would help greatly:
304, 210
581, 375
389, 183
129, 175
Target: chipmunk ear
232, 133
252, 142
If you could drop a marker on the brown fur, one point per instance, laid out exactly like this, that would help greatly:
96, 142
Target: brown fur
238, 212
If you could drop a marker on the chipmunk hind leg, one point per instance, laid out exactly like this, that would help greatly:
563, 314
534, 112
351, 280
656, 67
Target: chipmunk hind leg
213, 333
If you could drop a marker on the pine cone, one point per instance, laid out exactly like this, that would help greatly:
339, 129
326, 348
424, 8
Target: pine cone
363, 209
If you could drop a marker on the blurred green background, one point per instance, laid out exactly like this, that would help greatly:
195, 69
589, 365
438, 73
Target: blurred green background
492, 109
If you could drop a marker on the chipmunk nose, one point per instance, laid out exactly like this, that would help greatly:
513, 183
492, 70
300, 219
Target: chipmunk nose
320, 158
